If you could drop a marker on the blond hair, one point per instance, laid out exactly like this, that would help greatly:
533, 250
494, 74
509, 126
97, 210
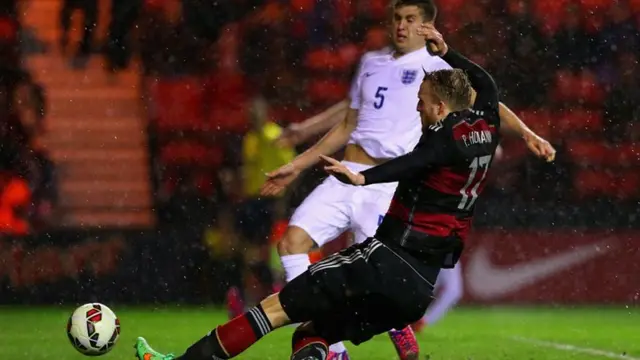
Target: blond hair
452, 87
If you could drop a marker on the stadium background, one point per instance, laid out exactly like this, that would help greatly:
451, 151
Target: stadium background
124, 163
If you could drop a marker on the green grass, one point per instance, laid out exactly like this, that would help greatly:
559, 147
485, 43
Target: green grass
466, 334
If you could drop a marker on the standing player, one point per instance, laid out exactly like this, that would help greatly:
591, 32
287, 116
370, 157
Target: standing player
386, 281
381, 123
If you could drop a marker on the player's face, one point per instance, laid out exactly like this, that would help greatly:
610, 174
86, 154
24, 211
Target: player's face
430, 107
404, 29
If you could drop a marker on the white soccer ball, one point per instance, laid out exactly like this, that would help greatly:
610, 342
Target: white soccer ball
93, 329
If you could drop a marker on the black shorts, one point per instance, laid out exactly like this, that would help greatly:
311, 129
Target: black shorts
360, 292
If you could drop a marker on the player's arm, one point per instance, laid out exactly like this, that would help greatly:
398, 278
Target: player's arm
326, 119
486, 96
335, 139
510, 123
400, 168
338, 136
404, 166
298, 133
486, 89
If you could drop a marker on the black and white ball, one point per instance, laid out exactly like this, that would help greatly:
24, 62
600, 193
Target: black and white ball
93, 329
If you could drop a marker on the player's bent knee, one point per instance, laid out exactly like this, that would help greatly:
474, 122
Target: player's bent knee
295, 241
274, 311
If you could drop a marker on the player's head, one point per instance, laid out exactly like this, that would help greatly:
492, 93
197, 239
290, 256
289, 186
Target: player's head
406, 18
258, 112
441, 93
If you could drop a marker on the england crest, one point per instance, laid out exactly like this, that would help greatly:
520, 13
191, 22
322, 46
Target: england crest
409, 76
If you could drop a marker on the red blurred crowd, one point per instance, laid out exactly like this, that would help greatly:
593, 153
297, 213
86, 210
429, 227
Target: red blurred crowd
569, 67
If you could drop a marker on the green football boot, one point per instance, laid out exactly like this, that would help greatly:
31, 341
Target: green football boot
145, 352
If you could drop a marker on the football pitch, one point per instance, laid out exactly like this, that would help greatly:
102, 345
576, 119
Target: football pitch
465, 334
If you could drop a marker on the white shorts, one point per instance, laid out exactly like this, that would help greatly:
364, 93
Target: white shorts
333, 208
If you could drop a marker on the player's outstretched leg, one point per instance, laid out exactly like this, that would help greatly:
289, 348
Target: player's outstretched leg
307, 345
405, 343
228, 340
146, 352
450, 288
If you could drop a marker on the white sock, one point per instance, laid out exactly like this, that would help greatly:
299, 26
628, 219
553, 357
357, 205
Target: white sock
338, 347
448, 297
294, 265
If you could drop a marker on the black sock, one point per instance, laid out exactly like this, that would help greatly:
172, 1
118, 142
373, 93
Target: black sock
234, 337
206, 348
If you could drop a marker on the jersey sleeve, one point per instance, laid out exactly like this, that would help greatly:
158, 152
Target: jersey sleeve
435, 63
438, 149
481, 81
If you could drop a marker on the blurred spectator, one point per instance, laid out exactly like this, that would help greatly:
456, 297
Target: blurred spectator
543, 53
621, 32
257, 214
20, 119
89, 9
622, 105
118, 48
264, 31
186, 206
163, 24
23, 106
574, 47
9, 8
15, 197
9, 39
526, 53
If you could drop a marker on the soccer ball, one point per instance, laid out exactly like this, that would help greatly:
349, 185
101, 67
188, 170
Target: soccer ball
93, 329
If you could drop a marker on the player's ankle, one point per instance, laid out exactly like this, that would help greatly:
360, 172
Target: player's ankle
309, 346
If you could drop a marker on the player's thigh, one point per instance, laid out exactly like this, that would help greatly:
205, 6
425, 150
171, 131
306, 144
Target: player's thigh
325, 213
369, 212
359, 292
393, 293
329, 284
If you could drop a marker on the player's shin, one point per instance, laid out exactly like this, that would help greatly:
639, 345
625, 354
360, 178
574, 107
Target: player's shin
228, 340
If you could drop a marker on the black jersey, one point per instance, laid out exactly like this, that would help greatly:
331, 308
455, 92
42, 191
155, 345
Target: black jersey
441, 179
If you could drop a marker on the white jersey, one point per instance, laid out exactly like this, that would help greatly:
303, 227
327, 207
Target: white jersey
385, 93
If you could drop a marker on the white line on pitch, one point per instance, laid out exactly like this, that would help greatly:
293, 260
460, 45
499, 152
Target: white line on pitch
574, 349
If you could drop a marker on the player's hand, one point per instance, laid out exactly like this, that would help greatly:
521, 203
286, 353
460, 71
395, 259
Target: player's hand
279, 179
336, 169
435, 42
291, 136
539, 146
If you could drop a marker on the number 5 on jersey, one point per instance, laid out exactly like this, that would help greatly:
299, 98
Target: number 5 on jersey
474, 181
380, 97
